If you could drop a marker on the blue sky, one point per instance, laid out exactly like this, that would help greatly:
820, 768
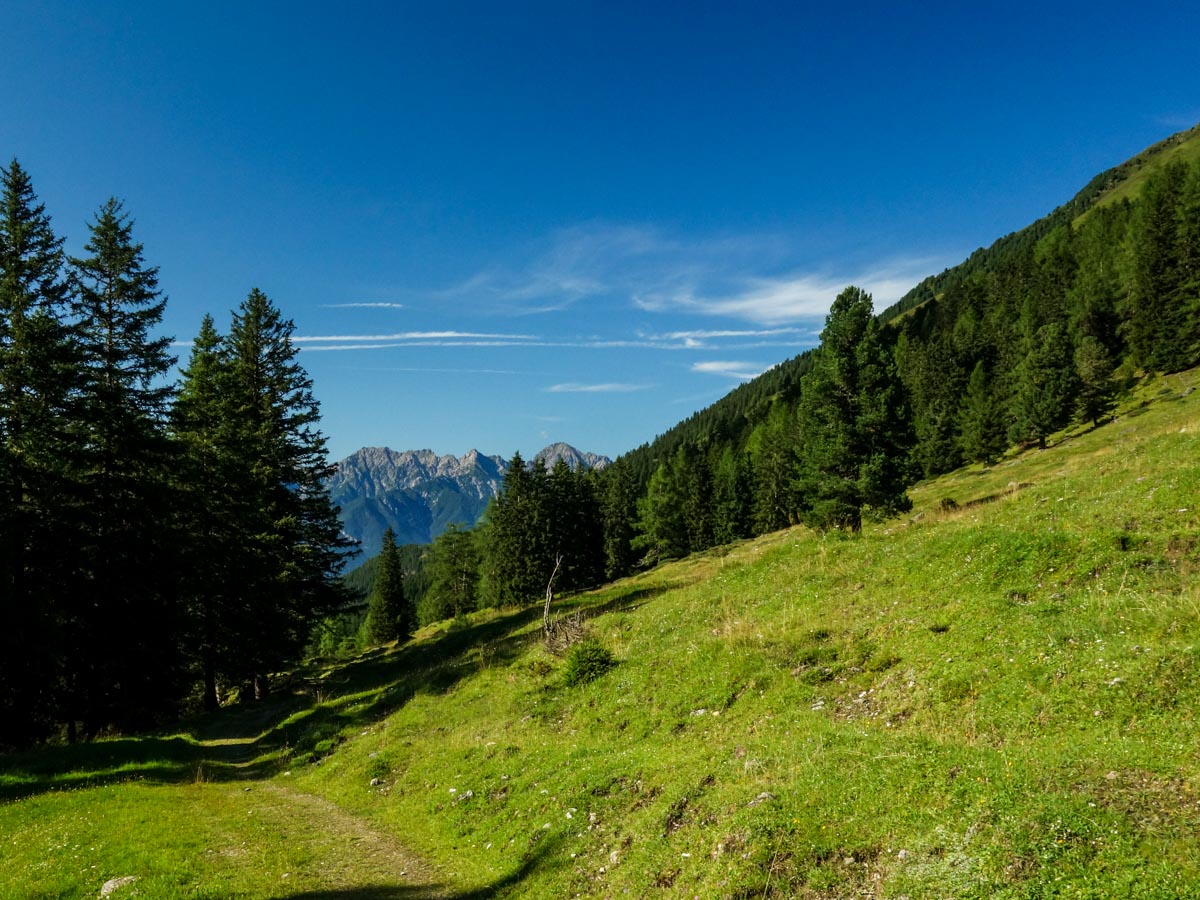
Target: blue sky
497, 225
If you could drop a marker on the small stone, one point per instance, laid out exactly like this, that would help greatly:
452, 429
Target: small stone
115, 884
903, 854
375, 782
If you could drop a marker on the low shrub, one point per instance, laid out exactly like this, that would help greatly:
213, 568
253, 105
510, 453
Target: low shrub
587, 660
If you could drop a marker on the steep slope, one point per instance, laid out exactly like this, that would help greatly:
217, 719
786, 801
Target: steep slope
992, 698
731, 418
419, 494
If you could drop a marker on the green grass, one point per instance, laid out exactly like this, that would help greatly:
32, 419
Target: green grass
992, 699
1186, 150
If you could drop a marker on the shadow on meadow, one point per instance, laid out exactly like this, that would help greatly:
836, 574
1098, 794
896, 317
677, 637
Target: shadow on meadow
534, 861
307, 715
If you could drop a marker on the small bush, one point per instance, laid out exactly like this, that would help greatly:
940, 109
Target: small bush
587, 661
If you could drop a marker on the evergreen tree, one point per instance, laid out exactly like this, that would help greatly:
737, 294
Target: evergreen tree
773, 461
128, 558
983, 433
618, 514
576, 528
662, 525
1045, 386
1094, 370
38, 504
694, 477
388, 616
217, 510
731, 497
854, 438
1159, 330
295, 547
518, 535
453, 566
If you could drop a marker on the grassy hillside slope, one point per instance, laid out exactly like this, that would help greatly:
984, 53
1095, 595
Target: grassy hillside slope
994, 697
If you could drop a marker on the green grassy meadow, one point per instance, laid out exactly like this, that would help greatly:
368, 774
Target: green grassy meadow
995, 696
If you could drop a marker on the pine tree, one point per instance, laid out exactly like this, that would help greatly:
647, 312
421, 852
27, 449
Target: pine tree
454, 576
662, 525
854, 437
731, 497
517, 535
618, 514
983, 434
295, 544
1158, 328
217, 511
773, 463
388, 616
1097, 390
38, 503
124, 472
1045, 386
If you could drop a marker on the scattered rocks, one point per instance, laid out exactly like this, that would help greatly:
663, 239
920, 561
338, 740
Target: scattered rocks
115, 884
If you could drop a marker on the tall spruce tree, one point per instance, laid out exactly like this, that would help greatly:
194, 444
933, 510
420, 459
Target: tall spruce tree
1158, 326
618, 514
38, 503
662, 521
731, 497
302, 548
517, 535
454, 576
1045, 386
217, 510
1094, 375
125, 460
983, 434
773, 465
854, 437
388, 616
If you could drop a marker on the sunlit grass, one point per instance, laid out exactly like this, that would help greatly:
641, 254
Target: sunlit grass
990, 698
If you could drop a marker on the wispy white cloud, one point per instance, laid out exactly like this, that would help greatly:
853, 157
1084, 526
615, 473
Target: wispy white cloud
742, 371
608, 388
790, 298
409, 336
434, 370
753, 278
362, 306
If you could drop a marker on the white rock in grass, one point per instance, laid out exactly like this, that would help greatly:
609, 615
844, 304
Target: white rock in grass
115, 884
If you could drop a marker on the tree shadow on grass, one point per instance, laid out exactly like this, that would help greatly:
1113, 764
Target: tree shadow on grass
534, 861
309, 714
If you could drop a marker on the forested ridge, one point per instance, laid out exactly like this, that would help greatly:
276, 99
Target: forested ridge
1042, 329
159, 542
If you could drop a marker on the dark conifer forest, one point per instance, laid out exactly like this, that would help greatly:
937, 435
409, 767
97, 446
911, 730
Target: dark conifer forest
159, 543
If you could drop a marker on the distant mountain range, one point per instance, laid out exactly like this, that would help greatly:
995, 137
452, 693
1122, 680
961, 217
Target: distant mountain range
419, 494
